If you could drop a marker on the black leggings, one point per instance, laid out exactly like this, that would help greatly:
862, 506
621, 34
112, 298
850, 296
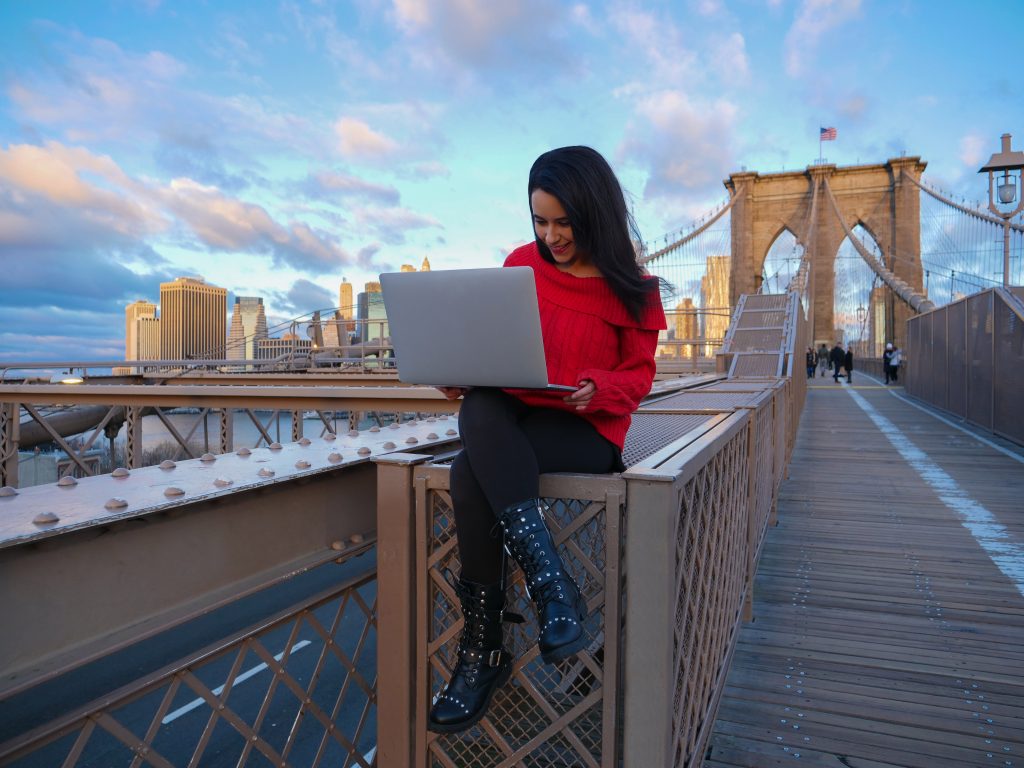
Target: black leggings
506, 446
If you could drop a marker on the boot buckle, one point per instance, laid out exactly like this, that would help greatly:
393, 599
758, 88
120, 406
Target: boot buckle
494, 659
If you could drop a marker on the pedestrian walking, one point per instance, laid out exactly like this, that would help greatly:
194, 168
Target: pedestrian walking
836, 359
887, 356
848, 365
812, 362
896, 362
823, 363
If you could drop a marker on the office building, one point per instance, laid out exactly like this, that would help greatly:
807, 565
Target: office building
425, 267
141, 335
285, 348
408, 268
193, 320
714, 300
248, 325
371, 314
686, 328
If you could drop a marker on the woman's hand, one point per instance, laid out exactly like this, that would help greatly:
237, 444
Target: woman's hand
581, 397
452, 393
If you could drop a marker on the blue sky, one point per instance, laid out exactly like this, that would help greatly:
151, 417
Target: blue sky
275, 147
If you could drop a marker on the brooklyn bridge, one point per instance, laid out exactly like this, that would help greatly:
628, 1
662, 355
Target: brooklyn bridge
794, 568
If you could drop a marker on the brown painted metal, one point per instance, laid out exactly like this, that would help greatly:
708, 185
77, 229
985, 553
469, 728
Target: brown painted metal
390, 398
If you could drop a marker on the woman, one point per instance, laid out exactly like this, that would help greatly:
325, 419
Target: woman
812, 362
600, 317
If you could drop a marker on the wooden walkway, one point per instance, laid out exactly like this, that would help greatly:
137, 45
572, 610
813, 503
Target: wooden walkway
884, 633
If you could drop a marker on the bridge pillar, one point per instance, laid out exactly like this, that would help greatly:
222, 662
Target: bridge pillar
744, 274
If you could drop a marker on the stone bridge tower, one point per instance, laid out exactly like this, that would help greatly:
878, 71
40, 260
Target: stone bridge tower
877, 197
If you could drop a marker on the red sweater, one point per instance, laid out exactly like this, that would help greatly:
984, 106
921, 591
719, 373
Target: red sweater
589, 334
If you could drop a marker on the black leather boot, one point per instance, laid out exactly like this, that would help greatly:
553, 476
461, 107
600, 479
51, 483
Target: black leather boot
484, 665
561, 608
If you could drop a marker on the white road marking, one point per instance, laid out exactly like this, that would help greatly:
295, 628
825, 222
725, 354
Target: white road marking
172, 716
979, 438
993, 537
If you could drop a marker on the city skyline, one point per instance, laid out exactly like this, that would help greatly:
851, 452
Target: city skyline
277, 148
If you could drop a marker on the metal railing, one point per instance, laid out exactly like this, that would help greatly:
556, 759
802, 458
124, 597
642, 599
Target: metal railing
665, 553
967, 358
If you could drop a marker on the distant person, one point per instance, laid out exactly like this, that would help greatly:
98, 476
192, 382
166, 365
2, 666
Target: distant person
848, 364
897, 361
600, 316
836, 358
887, 356
823, 363
812, 362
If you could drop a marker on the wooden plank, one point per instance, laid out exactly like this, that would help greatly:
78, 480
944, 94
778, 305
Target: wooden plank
882, 628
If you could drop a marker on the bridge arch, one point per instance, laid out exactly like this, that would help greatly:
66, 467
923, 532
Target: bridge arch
777, 261
879, 197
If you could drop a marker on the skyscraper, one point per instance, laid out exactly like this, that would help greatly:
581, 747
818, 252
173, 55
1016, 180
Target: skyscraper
714, 295
248, 325
141, 335
686, 327
193, 319
132, 313
373, 318
408, 268
425, 267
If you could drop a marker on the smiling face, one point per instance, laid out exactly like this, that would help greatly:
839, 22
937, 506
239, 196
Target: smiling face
551, 223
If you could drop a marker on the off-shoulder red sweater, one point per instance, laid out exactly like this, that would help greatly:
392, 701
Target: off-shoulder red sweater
589, 334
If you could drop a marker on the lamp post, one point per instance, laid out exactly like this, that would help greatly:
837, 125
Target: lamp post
861, 316
1006, 161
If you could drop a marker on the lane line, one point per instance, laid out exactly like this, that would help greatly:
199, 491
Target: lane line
991, 535
172, 716
979, 438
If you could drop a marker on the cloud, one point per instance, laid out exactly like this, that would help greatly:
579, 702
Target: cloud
335, 184
682, 144
973, 150
391, 224
729, 59
358, 141
478, 40
303, 297
853, 107
815, 19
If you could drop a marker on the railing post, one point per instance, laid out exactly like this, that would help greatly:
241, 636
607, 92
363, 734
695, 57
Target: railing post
226, 440
396, 609
10, 417
752, 532
296, 426
133, 435
652, 517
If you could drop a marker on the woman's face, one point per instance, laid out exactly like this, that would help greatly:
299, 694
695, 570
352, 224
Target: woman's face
552, 226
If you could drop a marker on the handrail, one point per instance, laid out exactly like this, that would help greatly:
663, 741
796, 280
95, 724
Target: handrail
963, 208
687, 238
900, 288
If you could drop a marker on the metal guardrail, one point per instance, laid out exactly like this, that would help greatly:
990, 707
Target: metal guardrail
692, 510
967, 358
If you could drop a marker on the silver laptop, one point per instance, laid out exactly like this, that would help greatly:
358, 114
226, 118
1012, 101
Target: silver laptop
467, 328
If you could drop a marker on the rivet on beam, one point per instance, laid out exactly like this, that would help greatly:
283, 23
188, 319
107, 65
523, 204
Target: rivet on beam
45, 518
167, 464
8, 491
302, 464
410, 440
243, 452
275, 446
120, 472
394, 425
375, 428
451, 432
432, 436
207, 458
67, 482
334, 458
116, 503
304, 441
364, 451
330, 436
173, 490
389, 446
266, 472
353, 433
223, 482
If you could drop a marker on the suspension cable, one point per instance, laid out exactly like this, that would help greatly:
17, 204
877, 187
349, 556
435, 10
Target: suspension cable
689, 236
962, 208
899, 287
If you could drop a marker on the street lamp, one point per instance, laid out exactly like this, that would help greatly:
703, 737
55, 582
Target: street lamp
1006, 161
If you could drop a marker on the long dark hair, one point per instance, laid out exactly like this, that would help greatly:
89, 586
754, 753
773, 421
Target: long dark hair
602, 226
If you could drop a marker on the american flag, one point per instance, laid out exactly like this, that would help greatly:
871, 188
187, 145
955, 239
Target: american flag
828, 134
